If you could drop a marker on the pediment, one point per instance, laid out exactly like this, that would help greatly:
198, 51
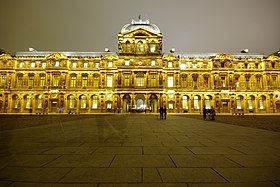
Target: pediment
144, 32
110, 57
56, 56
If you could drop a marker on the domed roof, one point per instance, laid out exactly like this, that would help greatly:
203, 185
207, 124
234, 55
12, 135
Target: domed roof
140, 24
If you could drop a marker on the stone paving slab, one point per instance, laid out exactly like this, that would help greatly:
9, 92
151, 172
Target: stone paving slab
189, 175
119, 150
100, 175
143, 161
255, 160
189, 161
33, 174
166, 150
145, 185
214, 150
25, 184
239, 184
250, 174
70, 150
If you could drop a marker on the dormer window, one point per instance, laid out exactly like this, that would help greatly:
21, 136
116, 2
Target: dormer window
44, 64
126, 62
74, 65
32, 64
153, 63
96, 65
183, 66
110, 64
85, 65
21, 65
56, 63
170, 64
152, 48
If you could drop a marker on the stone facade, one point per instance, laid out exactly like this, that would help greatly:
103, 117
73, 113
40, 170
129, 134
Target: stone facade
140, 77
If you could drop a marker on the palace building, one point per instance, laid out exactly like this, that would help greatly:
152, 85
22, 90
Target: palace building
139, 77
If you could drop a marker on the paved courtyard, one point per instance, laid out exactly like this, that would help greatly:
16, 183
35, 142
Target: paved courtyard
139, 151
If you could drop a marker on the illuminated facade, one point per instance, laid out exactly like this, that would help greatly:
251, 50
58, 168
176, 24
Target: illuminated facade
139, 77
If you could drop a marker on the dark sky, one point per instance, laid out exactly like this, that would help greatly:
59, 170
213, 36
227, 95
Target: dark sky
187, 25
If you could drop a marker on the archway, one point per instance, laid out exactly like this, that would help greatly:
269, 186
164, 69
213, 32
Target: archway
126, 102
140, 102
153, 103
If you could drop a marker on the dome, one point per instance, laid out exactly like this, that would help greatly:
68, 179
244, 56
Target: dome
140, 24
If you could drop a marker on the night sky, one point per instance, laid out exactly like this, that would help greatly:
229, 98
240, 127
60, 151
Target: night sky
226, 26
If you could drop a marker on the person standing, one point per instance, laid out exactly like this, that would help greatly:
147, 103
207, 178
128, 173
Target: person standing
161, 112
204, 112
164, 112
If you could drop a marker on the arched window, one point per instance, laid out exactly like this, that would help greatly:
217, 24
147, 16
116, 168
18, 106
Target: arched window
39, 102
71, 102
28, 101
16, 101
261, 100
140, 47
185, 102
196, 102
207, 102
94, 102
250, 103
238, 102
83, 102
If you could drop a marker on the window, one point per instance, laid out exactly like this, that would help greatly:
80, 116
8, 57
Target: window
250, 103
261, 100
139, 81
71, 102
83, 102
39, 102
74, 65
196, 102
170, 64
205, 84
153, 63
152, 48
183, 66
94, 102
44, 64
33, 64
31, 81
185, 102
194, 65
153, 80
21, 65
207, 102
170, 106
16, 101
126, 62
184, 82
28, 102
140, 47
126, 80
20, 81
57, 64
110, 64
84, 82
109, 105
109, 81
85, 65
55, 80
95, 82
170, 81
73, 81
96, 65
4, 80
42, 81
238, 102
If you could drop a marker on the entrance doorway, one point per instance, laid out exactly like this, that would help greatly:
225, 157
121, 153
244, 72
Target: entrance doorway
54, 106
153, 103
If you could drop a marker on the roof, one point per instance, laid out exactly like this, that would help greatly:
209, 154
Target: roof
140, 24
68, 54
211, 55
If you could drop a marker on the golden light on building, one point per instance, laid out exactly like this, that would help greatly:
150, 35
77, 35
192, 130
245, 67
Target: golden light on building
138, 77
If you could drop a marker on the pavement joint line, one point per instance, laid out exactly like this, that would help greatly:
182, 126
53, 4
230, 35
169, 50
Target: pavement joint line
172, 160
112, 160
220, 175
159, 175
43, 166
70, 169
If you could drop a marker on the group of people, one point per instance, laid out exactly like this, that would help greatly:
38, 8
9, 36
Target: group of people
162, 112
211, 113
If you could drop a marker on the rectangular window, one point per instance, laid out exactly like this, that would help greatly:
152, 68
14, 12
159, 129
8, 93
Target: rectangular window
126, 62
42, 81
44, 64
194, 65
184, 82
139, 81
20, 81
110, 64
152, 48
33, 64
4, 80
170, 81
153, 80
55, 80
74, 65
31, 81
109, 81
95, 82
170, 64
21, 65
73, 82
84, 82
57, 64
85, 65
96, 65
170, 106
126, 80
153, 63
94, 102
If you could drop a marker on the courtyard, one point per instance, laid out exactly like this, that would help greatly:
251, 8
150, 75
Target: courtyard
126, 150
